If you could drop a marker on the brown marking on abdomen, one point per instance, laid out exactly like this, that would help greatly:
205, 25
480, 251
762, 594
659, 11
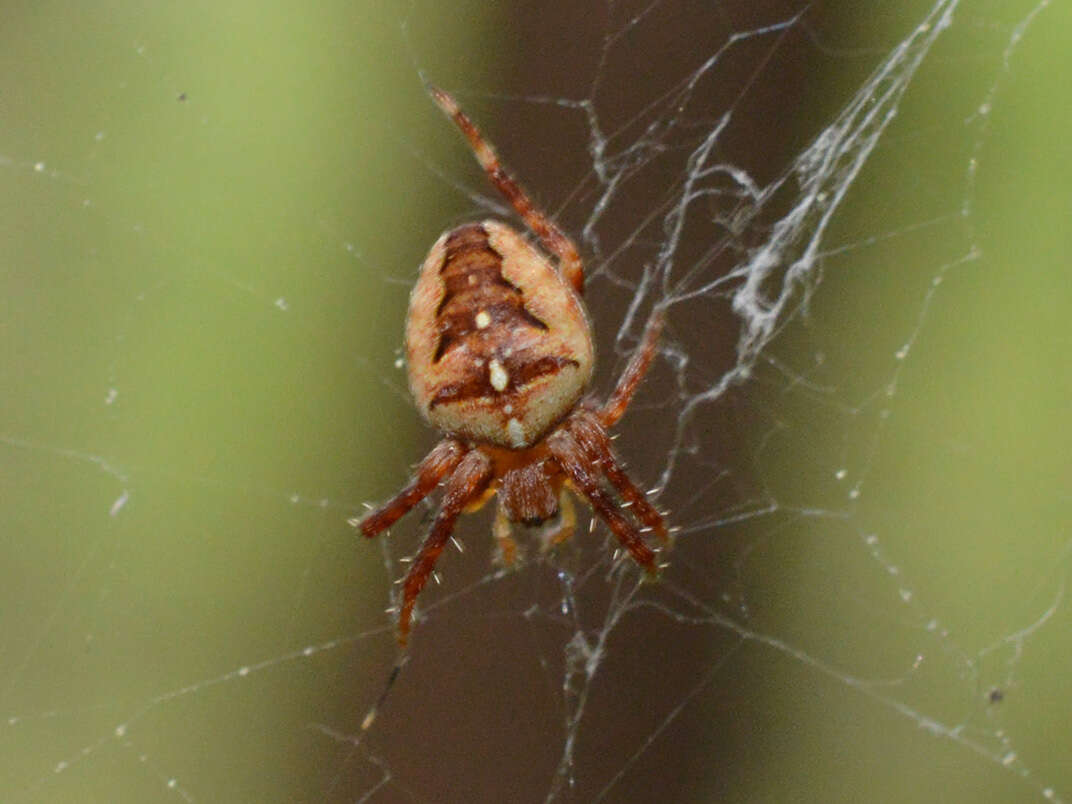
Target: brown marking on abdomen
520, 371
473, 284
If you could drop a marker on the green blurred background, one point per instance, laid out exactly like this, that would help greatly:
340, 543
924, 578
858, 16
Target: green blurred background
211, 220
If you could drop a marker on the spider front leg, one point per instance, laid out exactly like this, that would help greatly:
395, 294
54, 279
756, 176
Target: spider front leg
574, 462
466, 484
590, 435
436, 465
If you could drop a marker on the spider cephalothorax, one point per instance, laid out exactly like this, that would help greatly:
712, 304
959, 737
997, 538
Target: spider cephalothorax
499, 351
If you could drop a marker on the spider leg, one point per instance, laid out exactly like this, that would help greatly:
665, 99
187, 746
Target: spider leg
643, 510
593, 439
571, 457
569, 260
634, 372
438, 463
467, 482
506, 547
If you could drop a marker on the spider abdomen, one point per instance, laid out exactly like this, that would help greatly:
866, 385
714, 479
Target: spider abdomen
498, 345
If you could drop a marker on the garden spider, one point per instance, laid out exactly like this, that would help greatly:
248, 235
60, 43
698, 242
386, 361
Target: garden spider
499, 352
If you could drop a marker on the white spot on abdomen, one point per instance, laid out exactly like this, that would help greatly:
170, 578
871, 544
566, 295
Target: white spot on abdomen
498, 376
517, 435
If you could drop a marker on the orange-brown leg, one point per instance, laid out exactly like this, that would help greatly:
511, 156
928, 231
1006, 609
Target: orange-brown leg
569, 261
467, 482
585, 478
593, 440
643, 510
436, 465
638, 366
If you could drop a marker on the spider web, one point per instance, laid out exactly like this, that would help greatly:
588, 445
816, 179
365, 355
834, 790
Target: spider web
855, 419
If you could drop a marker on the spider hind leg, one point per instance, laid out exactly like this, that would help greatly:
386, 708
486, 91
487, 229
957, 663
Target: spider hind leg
553, 239
637, 367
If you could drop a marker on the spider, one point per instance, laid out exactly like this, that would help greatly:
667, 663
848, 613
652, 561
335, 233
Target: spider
499, 353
